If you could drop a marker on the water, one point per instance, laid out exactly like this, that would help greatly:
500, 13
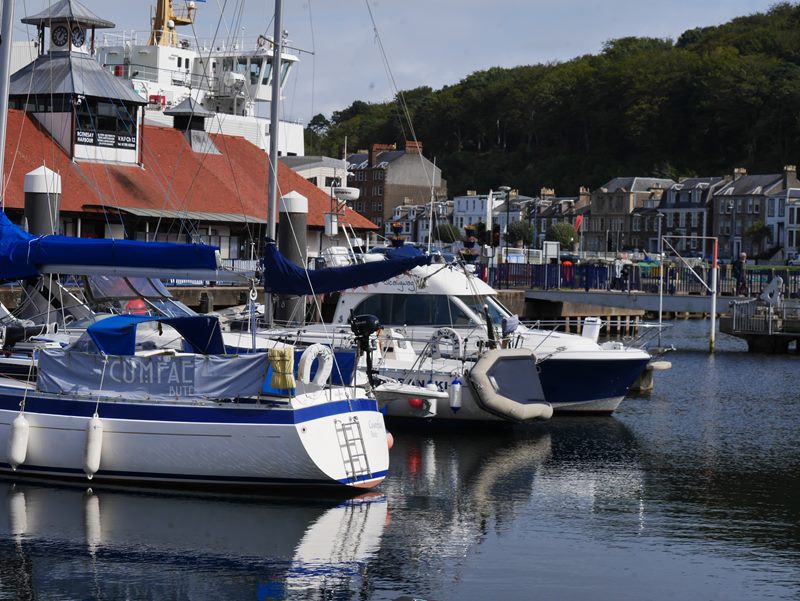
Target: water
691, 492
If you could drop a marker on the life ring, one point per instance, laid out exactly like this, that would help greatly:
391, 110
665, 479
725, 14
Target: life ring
448, 335
324, 369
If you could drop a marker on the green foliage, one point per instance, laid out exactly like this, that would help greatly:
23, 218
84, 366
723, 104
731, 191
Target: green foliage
758, 232
561, 232
520, 231
717, 98
448, 233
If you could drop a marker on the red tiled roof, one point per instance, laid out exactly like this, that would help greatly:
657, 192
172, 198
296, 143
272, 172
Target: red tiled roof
173, 177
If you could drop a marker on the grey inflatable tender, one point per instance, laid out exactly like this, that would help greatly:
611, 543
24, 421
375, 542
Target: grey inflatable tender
506, 383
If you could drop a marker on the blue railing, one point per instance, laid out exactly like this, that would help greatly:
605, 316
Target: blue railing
678, 279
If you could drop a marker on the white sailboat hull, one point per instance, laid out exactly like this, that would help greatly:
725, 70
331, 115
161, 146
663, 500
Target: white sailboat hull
174, 443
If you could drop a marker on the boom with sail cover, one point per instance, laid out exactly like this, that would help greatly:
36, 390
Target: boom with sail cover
281, 276
22, 254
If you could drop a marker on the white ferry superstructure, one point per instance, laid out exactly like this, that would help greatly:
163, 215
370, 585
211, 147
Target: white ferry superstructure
165, 68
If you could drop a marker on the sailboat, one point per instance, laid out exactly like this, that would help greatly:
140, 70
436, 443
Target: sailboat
110, 410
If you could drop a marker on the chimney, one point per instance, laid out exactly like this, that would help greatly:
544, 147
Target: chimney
789, 176
376, 149
584, 197
413, 147
739, 172
547, 192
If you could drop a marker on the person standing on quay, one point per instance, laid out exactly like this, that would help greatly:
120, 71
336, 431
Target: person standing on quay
740, 275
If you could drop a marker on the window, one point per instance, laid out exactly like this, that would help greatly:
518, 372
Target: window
637, 223
693, 243
267, 71
413, 310
771, 206
360, 176
682, 219
669, 219
695, 218
781, 207
313, 180
180, 60
330, 181
255, 69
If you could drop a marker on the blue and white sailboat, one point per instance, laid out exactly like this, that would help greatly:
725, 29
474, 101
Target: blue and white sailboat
107, 409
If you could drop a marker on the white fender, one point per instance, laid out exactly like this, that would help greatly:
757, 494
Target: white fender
446, 335
455, 394
312, 353
94, 446
18, 441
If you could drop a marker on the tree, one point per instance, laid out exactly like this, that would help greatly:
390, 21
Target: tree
519, 231
447, 233
758, 232
561, 232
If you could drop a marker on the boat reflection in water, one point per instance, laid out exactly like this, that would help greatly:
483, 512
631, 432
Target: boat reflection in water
70, 543
455, 495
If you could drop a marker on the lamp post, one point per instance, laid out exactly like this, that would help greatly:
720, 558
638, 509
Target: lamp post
507, 191
732, 207
660, 216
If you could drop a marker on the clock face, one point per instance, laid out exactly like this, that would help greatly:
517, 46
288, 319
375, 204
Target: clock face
60, 36
78, 36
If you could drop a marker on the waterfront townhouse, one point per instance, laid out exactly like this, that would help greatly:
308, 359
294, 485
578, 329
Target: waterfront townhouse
740, 211
783, 222
388, 177
553, 209
686, 214
612, 210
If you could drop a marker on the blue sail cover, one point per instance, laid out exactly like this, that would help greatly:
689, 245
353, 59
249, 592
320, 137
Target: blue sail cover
281, 276
21, 253
116, 335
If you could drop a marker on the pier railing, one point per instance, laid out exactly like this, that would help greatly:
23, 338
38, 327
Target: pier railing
754, 316
677, 278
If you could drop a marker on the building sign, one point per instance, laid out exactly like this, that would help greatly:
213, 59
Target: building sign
106, 139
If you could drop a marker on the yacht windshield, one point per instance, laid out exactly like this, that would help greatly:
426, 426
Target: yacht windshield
496, 311
414, 310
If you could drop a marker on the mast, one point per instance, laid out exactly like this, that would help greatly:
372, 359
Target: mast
5, 76
166, 19
272, 194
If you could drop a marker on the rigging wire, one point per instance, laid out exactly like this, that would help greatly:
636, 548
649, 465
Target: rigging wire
400, 97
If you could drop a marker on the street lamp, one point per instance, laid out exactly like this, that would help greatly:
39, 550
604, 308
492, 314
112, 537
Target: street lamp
507, 191
732, 207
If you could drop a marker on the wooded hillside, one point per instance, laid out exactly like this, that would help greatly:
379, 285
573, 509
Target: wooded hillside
717, 98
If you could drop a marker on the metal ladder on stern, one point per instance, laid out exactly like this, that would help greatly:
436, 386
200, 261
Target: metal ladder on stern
351, 446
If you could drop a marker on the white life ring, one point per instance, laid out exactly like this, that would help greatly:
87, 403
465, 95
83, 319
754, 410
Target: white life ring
448, 335
311, 354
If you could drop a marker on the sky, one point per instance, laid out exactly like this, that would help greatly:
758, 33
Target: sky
427, 43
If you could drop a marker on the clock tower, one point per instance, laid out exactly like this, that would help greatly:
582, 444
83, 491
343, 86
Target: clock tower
67, 26
91, 114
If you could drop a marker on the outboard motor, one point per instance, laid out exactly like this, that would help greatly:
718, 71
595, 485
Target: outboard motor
364, 326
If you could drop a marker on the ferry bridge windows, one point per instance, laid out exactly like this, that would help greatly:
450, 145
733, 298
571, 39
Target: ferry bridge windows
255, 70
265, 75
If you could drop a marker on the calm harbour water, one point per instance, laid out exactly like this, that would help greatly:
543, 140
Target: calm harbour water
691, 492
